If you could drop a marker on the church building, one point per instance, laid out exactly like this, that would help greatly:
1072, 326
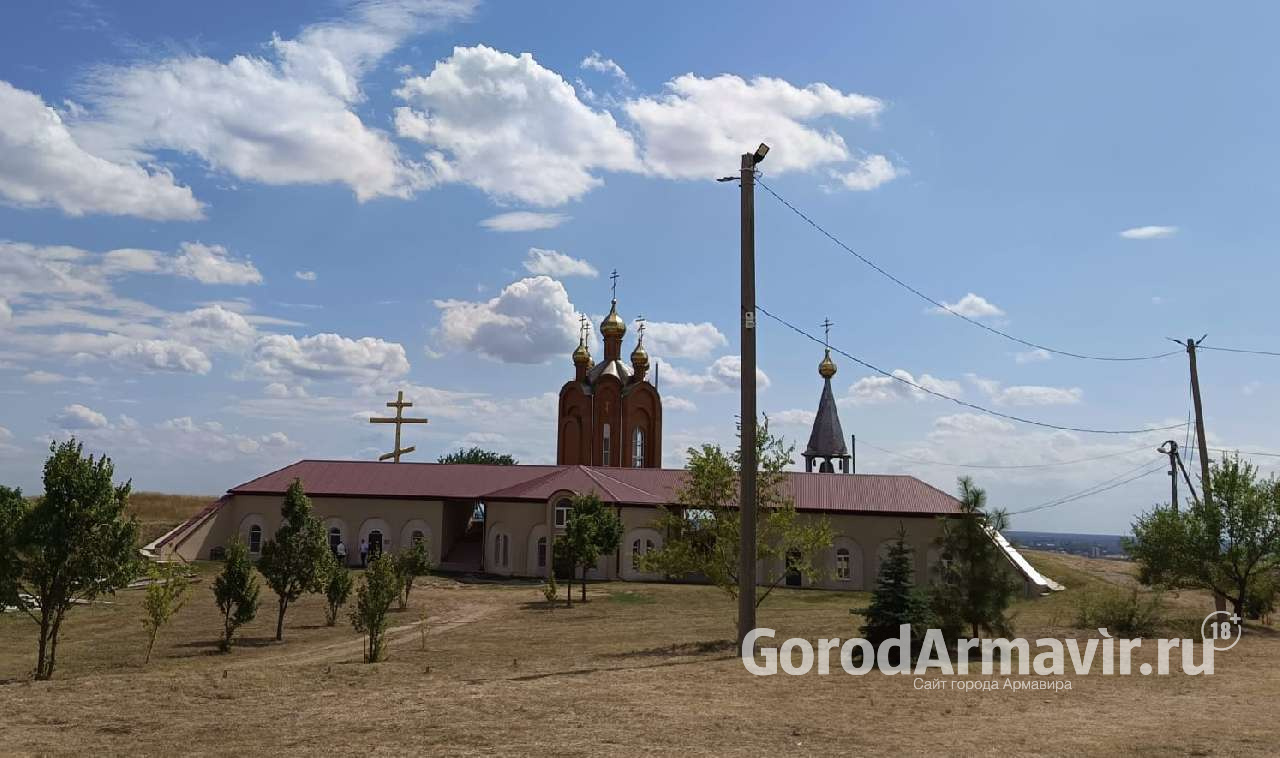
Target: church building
501, 520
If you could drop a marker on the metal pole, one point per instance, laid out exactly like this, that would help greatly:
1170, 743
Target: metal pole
747, 486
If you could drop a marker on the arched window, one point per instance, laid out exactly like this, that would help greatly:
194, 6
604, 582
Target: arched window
418, 536
842, 564
501, 550
607, 455
562, 512
637, 448
375, 543
255, 539
638, 548
335, 536
542, 552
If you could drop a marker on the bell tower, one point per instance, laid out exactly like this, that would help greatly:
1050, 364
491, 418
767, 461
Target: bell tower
609, 413
826, 441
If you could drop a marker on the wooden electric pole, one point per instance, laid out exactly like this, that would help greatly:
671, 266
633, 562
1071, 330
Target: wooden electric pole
1200, 438
747, 485
747, 441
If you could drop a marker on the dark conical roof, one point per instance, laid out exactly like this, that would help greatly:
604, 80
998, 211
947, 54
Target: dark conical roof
827, 438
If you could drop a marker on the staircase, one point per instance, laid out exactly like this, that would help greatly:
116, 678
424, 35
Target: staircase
465, 554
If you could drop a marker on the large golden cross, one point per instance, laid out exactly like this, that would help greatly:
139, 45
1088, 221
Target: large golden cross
399, 419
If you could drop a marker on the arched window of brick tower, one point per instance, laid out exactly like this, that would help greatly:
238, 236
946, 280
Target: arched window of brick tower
606, 459
637, 448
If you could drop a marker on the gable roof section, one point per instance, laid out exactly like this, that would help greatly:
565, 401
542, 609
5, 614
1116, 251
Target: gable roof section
831, 493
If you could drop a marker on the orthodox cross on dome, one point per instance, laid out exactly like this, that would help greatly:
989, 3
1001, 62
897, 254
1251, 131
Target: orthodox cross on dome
584, 327
398, 419
826, 333
614, 277
640, 322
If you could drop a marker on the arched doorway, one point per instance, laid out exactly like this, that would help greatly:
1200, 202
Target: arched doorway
375, 543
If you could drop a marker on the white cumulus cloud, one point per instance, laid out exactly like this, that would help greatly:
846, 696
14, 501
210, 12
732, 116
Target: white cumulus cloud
683, 340
163, 355
723, 375
328, 356
700, 127
42, 165
880, 389
77, 416
868, 173
530, 321
1028, 394
972, 306
510, 127
557, 264
306, 276
212, 264
597, 62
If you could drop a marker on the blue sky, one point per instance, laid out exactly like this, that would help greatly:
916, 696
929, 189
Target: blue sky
228, 234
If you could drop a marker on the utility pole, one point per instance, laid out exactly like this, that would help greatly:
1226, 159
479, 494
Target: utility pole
1200, 440
747, 451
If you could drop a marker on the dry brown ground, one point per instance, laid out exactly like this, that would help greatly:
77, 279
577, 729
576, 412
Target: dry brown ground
639, 669
158, 512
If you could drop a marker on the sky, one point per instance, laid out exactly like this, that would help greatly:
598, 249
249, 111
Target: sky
230, 233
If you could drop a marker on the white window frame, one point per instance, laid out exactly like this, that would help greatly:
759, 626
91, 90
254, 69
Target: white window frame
607, 452
637, 447
252, 549
843, 564
562, 513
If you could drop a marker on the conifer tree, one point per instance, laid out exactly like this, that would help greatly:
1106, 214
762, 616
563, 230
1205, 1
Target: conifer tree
293, 561
896, 600
236, 591
974, 585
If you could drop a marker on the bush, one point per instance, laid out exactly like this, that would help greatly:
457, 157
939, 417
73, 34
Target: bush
1123, 614
379, 589
337, 589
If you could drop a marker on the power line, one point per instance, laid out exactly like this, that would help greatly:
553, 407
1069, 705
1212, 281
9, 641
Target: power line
958, 401
927, 462
1240, 350
1096, 489
944, 306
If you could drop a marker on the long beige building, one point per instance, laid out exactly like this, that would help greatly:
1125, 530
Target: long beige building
501, 520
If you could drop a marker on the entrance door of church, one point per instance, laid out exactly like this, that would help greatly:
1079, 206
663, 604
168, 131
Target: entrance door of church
375, 544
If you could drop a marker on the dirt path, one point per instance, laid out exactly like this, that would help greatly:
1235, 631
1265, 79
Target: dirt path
465, 613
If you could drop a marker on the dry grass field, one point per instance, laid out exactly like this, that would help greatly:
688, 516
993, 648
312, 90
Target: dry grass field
158, 512
640, 669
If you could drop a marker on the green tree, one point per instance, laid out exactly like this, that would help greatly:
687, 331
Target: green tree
974, 585
1224, 546
703, 532
412, 562
478, 455
236, 591
293, 561
13, 509
591, 530
75, 543
166, 594
338, 583
896, 600
379, 588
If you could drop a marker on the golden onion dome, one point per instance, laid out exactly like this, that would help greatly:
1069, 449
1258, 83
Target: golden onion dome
581, 356
640, 358
827, 368
613, 326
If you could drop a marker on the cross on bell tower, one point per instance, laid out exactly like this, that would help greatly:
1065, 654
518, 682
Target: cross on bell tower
614, 277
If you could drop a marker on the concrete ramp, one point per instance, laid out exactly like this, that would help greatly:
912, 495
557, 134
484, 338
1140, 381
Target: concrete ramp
1037, 583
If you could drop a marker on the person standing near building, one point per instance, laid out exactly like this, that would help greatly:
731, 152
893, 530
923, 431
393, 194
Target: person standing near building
364, 553
341, 551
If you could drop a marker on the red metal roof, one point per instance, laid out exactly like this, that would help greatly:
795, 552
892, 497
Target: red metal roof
836, 493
